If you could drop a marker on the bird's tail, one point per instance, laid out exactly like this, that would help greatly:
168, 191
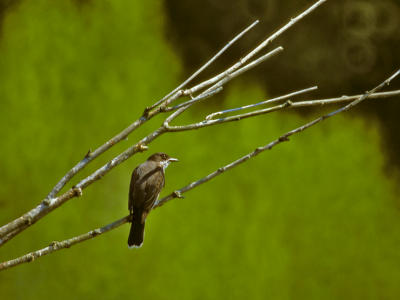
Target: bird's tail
136, 234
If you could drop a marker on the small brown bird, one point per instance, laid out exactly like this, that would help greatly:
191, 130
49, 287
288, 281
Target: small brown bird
147, 182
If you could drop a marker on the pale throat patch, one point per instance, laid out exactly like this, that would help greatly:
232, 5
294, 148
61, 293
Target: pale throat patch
165, 164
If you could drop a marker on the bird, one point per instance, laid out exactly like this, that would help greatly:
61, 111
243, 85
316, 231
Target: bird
147, 181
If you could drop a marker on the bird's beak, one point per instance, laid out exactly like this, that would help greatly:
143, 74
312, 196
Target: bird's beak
173, 159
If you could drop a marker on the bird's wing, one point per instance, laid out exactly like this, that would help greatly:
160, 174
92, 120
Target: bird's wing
153, 189
134, 179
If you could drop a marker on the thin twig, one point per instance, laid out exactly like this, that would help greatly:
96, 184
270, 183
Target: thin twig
321, 102
55, 246
273, 100
198, 98
91, 155
282, 30
287, 104
181, 109
254, 52
363, 97
216, 87
229, 77
208, 63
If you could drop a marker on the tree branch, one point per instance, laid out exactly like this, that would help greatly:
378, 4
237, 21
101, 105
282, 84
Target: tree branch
288, 104
147, 115
282, 138
18, 225
273, 100
55, 246
229, 77
202, 68
283, 29
8, 231
255, 51
344, 99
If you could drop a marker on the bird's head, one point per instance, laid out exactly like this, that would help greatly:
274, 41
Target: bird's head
163, 159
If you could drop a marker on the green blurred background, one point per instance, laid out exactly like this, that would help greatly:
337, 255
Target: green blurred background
316, 218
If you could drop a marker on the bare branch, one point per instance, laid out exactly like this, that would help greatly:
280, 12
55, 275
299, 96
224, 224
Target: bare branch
55, 246
279, 140
255, 51
363, 97
229, 76
198, 98
93, 154
287, 104
282, 30
181, 109
221, 78
277, 99
48, 205
146, 116
245, 68
337, 100
178, 193
341, 99
202, 68
215, 88
51, 202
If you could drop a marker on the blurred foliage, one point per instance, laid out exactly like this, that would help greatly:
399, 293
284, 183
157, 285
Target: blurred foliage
314, 218
345, 47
